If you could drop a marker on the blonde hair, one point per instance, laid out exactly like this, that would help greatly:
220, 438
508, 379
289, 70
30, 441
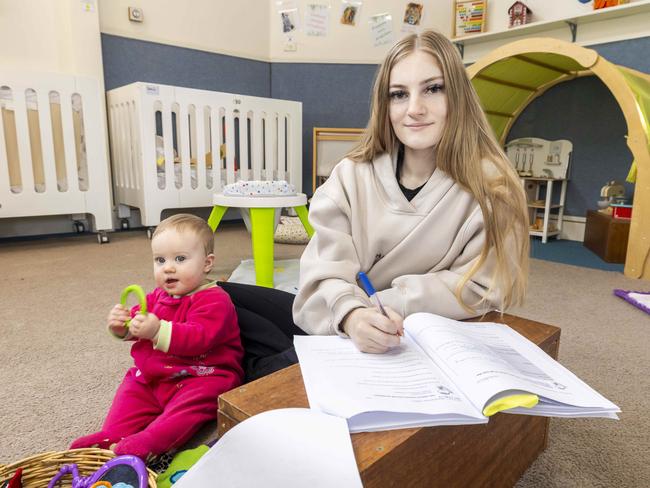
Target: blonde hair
466, 143
187, 222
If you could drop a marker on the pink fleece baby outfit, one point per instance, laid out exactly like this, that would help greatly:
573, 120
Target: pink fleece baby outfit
173, 388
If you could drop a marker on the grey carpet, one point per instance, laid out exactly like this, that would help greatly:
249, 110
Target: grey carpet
60, 368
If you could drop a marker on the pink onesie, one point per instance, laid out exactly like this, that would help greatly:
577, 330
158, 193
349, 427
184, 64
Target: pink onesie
173, 388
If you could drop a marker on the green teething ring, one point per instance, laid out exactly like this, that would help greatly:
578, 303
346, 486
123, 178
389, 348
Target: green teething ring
139, 292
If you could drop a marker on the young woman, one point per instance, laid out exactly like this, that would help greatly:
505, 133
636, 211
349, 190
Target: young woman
428, 206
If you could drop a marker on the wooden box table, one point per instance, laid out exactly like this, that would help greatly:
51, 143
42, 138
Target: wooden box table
606, 236
491, 455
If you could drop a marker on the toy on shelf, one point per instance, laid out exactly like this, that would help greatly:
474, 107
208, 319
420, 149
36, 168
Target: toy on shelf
612, 192
598, 4
119, 472
613, 201
519, 14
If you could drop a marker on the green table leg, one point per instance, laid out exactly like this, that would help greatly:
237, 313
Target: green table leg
215, 216
262, 228
302, 213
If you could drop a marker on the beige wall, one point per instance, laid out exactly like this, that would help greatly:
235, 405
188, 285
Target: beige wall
233, 27
59, 36
345, 44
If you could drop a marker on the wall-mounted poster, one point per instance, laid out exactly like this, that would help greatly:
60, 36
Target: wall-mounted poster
316, 19
350, 11
469, 17
381, 29
412, 17
288, 10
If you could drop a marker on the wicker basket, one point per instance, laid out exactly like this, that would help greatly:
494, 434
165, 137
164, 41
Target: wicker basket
38, 470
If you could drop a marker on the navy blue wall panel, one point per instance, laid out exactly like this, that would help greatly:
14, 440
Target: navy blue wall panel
332, 95
129, 60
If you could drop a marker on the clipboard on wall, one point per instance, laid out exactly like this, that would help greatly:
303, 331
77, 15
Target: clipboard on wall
330, 145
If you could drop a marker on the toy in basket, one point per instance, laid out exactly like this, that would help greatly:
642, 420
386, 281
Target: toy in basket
44, 469
119, 472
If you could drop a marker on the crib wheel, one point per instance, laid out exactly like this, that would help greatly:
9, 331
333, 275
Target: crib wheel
124, 224
79, 227
150, 232
102, 237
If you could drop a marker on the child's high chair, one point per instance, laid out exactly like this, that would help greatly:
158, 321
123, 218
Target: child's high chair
262, 174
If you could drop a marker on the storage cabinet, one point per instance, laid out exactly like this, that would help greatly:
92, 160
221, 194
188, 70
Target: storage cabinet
541, 210
607, 236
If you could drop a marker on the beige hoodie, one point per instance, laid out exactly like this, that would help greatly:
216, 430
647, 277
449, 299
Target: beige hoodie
415, 253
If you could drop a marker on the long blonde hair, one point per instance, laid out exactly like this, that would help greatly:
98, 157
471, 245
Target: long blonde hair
469, 153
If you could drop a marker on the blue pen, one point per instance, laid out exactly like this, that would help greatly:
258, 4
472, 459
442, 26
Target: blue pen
370, 291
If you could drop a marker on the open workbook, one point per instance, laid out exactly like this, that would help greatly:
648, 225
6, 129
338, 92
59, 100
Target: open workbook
444, 372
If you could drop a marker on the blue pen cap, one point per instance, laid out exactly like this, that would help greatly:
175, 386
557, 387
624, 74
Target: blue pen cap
365, 283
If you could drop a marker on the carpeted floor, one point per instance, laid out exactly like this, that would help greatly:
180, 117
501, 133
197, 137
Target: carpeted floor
60, 368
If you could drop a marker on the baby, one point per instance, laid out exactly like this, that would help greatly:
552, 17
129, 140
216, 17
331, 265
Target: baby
187, 349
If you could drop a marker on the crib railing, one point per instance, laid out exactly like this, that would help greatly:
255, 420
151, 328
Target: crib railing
53, 155
175, 147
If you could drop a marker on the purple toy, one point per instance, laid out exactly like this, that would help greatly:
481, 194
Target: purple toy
120, 471
641, 305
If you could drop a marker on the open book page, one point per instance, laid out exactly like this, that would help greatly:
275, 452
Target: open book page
487, 359
398, 389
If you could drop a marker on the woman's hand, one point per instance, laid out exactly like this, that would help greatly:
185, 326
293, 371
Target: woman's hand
145, 326
118, 315
371, 331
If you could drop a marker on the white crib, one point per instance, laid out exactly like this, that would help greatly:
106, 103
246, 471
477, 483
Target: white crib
53, 154
175, 147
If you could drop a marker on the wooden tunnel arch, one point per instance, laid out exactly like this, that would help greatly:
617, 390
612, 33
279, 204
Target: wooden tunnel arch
509, 78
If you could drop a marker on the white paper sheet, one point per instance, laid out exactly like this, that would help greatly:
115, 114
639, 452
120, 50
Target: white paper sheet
288, 448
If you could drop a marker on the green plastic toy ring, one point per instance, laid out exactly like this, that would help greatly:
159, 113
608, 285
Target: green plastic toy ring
139, 292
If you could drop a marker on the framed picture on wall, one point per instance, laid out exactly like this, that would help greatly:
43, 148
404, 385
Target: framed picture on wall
331, 144
470, 17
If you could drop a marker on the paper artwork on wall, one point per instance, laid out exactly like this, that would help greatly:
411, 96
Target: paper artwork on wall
381, 29
88, 5
316, 19
288, 12
350, 10
412, 17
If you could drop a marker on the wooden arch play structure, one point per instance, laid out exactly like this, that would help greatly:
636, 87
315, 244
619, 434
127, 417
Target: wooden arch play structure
509, 78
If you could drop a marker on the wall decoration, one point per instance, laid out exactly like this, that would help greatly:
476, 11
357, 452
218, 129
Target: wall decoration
469, 17
350, 12
519, 14
412, 16
316, 19
381, 29
288, 11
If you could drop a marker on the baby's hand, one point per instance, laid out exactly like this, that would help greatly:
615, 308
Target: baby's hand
145, 326
118, 315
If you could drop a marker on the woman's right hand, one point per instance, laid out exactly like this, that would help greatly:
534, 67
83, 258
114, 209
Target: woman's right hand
117, 317
373, 332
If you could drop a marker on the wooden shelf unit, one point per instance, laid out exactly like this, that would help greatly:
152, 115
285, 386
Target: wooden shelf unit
535, 206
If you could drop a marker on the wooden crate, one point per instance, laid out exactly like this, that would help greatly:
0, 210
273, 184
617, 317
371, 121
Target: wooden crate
494, 454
